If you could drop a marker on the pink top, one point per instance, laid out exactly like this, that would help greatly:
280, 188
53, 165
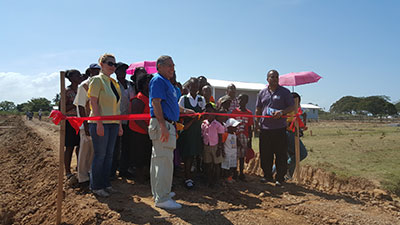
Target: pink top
210, 132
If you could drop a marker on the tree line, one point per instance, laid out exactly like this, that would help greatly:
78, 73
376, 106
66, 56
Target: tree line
33, 105
374, 105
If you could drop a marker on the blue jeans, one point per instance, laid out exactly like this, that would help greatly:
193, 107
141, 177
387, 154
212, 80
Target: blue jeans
291, 152
103, 155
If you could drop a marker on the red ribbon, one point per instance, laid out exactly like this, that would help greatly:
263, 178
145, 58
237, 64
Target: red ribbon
297, 117
56, 116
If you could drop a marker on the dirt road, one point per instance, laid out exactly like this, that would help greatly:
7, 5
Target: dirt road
28, 183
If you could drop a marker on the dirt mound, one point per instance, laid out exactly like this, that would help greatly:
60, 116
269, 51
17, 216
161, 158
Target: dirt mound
29, 169
319, 179
29, 174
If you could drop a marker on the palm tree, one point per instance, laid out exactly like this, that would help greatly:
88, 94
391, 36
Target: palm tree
56, 99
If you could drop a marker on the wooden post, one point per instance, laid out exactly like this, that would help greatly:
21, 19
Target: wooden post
297, 143
60, 192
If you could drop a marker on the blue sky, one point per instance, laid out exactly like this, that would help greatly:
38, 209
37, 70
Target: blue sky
353, 45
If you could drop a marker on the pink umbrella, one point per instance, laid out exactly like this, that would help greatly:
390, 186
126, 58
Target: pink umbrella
295, 79
149, 66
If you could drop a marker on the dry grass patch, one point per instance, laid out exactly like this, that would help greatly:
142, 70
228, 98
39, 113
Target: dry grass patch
368, 150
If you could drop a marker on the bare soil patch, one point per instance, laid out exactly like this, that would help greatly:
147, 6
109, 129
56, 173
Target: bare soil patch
29, 165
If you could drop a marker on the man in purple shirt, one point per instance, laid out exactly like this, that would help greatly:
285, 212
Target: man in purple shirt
274, 101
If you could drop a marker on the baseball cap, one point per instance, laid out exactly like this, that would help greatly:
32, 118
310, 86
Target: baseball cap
94, 66
231, 123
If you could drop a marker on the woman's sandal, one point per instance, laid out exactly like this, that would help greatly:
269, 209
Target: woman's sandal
189, 183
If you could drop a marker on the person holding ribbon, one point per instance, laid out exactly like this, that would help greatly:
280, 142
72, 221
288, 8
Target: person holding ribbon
273, 101
244, 131
164, 112
71, 137
122, 145
291, 140
82, 103
139, 136
190, 141
105, 95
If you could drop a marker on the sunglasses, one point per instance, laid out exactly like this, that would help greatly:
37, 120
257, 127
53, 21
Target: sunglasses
111, 64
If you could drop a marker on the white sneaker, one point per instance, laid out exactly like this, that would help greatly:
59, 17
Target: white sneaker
101, 193
171, 194
169, 204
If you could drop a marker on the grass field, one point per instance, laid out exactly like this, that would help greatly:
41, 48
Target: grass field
368, 150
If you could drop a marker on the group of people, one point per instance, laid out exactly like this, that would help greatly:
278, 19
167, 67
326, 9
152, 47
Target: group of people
211, 144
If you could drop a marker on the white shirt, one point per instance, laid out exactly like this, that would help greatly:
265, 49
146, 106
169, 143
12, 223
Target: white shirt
230, 147
81, 98
193, 101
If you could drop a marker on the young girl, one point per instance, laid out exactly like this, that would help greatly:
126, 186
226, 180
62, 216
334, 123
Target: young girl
71, 138
212, 131
190, 139
244, 131
230, 148
291, 141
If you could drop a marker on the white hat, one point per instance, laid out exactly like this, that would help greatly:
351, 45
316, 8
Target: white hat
231, 123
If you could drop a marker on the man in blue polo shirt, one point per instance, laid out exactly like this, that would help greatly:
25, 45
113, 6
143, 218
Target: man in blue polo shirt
275, 101
164, 110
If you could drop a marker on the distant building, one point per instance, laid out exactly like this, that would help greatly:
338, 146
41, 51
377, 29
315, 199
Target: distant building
311, 110
251, 89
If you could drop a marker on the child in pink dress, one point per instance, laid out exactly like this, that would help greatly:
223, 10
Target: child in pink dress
212, 131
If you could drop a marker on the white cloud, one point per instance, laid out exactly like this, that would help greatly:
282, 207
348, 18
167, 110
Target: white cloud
19, 88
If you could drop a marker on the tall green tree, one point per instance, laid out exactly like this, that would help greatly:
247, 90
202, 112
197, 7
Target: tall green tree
391, 109
7, 106
56, 99
23, 107
397, 106
39, 103
376, 105
347, 104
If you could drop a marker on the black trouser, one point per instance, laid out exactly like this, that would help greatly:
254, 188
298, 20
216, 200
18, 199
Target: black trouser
143, 146
120, 159
273, 142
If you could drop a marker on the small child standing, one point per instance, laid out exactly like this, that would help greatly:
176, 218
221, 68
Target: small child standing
230, 148
244, 131
212, 131
291, 140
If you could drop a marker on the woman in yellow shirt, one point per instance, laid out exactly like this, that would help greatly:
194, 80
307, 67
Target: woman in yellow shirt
105, 94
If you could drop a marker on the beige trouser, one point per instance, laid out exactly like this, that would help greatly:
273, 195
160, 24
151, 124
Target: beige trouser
85, 157
162, 167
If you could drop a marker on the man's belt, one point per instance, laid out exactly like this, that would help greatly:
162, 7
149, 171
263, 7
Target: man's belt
166, 119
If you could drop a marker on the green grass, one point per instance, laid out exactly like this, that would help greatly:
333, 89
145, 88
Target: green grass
8, 113
367, 150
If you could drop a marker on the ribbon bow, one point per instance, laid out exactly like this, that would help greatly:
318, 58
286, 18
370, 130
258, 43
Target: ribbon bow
297, 117
56, 116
